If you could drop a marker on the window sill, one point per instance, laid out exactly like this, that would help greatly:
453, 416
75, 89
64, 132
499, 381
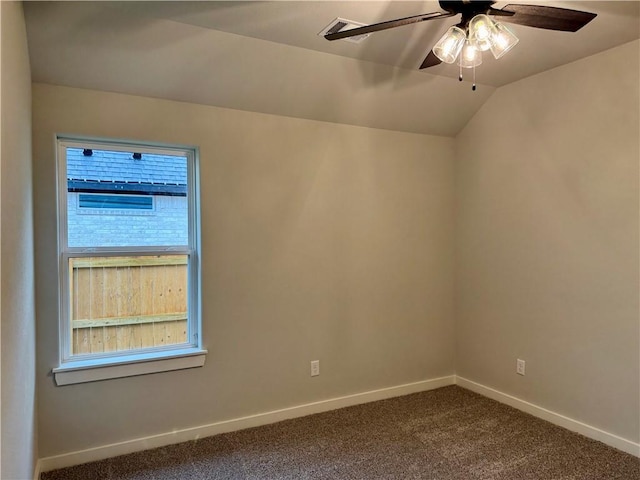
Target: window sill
142, 364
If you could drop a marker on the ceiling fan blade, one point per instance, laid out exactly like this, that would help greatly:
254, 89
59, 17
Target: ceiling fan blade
550, 18
376, 27
430, 61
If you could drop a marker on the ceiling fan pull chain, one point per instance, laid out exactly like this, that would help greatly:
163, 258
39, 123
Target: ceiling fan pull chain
474, 79
460, 76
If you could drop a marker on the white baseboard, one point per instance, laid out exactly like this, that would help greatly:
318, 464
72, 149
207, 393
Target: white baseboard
570, 424
37, 469
169, 438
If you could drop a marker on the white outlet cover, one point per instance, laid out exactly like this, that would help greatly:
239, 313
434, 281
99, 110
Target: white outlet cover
315, 368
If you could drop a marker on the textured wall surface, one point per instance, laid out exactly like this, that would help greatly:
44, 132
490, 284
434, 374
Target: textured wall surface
19, 449
547, 241
333, 242
319, 241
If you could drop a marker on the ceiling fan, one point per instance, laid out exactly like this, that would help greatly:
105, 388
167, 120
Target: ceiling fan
477, 31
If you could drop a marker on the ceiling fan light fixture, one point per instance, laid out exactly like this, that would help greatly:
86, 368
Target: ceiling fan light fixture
450, 44
470, 56
481, 32
503, 40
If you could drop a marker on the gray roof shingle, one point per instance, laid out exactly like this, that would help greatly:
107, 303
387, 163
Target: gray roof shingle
111, 166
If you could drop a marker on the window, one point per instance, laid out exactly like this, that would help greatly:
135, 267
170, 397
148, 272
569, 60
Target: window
115, 202
129, 262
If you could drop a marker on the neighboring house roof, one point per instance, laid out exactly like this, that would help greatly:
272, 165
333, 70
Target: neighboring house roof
109, 171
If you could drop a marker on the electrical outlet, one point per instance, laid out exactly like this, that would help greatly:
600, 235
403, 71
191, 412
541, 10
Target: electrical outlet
520, 367
315, 368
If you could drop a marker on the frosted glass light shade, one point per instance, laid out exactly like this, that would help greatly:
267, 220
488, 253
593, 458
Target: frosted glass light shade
449, 46
470, 56
481, 31
503, 40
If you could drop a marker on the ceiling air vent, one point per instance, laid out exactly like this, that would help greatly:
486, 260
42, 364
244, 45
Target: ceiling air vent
340, 24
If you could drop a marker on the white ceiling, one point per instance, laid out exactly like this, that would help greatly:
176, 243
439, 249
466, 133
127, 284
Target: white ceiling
268, 56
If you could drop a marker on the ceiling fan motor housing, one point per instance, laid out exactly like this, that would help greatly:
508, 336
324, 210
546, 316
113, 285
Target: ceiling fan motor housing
467, 8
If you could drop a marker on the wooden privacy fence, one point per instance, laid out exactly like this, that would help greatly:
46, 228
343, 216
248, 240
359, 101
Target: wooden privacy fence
127, 303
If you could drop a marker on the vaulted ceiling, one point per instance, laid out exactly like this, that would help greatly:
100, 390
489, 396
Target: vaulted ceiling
268, 57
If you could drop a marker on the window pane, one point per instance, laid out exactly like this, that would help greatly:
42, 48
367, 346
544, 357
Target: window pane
127, 303
115, 202
126, 199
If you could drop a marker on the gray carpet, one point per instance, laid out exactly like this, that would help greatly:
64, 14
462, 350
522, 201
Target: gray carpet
444, 434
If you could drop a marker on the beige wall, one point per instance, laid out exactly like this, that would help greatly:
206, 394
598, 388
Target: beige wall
319, 241
19, 449
336, 242
547, 241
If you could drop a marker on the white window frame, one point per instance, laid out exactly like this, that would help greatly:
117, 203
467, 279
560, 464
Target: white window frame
91, 367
